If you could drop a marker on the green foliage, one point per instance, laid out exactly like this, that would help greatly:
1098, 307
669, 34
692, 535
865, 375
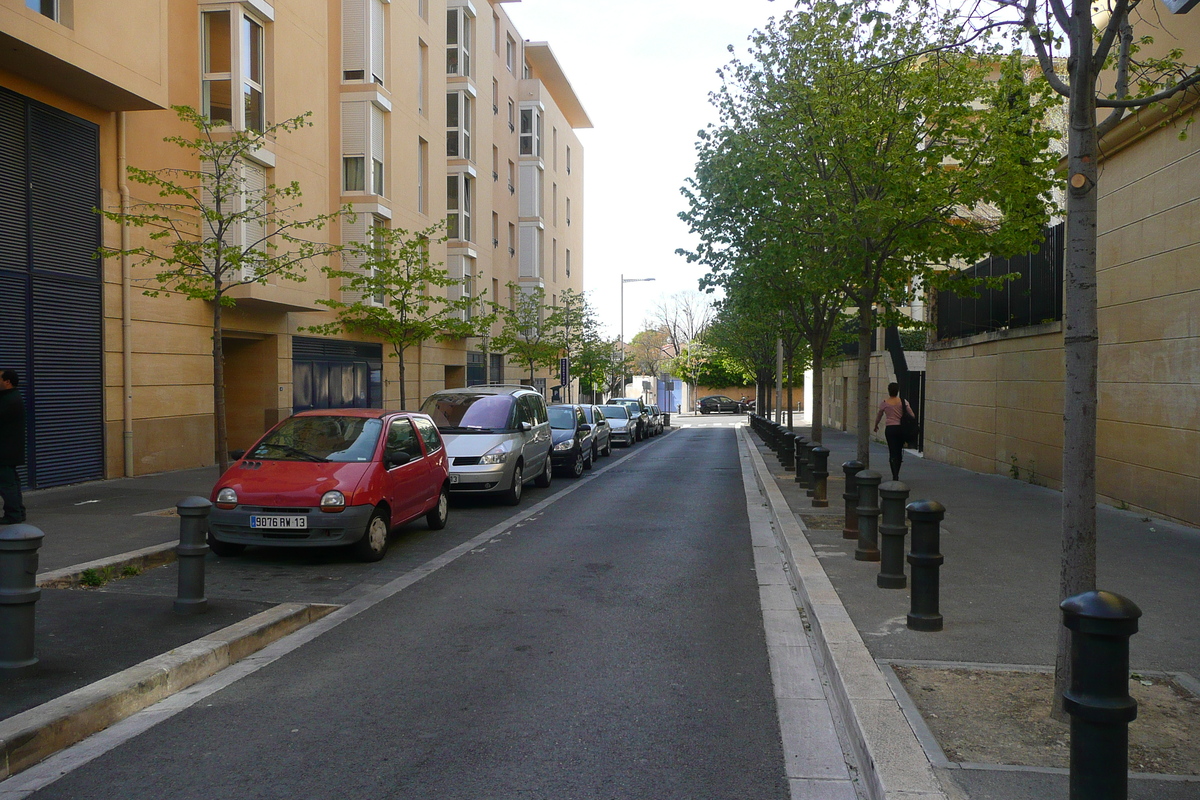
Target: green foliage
214, 227
399, 295
528, 333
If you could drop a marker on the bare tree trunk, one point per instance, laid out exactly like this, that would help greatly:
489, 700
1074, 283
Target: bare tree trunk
1080, 338
790, 404
221, 431
818, 409
403, 391
866, 332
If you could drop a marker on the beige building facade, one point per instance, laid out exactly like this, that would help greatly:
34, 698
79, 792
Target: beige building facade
409, 105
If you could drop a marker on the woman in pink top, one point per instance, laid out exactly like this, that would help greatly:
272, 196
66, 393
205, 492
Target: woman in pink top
893, 408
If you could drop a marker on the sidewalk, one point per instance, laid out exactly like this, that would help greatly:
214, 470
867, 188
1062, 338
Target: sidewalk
102, 655
999, 594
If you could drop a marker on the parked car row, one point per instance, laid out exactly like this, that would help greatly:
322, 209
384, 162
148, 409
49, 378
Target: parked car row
349, 476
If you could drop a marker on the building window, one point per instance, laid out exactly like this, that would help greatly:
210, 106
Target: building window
495, 229
531, 132
568, 212
554, 202
459, 191
495, 97
422, 78
568, 159
233, 63
567, 263
495, 33
512, 116
512, 240
554, 145
495, 164
530, 262
422, 176
510, 53
458, 41
554, 260
512, 177
47, 8
364, 137
459, 110
366, 228
423, 9
364, 32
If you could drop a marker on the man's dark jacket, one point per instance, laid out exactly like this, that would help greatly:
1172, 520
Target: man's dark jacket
12, 428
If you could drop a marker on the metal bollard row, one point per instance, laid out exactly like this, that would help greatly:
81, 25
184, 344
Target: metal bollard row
868, 515
926, 517
892, 530
850, 469
193, 547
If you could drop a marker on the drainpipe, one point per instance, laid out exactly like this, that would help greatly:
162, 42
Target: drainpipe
126, 312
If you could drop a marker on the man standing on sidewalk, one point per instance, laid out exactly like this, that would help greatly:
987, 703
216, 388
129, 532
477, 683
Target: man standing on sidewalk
12, 446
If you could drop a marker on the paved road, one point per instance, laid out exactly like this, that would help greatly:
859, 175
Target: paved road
610, 645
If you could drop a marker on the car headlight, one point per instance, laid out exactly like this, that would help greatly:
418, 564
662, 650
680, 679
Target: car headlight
333, 501
497, 455
566, 444
227, 498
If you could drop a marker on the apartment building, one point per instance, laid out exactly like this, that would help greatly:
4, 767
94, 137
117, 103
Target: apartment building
120, 383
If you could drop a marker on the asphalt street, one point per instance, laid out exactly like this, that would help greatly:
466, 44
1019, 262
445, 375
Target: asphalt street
610, 645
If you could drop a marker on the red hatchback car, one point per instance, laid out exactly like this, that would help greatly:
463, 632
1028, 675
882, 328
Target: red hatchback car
333, 477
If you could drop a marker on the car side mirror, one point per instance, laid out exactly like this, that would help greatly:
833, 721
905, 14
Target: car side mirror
526, 427
398, 459
236, 455
585, 428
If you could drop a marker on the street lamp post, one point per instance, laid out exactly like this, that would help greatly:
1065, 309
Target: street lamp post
624, 281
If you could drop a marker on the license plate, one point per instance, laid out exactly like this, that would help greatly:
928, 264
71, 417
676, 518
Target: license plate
454, 478
280, 523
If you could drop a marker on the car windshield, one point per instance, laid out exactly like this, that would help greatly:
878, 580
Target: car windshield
588, 415
467, 413
614, 412
320, 438
562, 419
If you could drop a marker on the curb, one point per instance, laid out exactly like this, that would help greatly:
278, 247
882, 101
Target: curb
146, 558
33, 735
893, 763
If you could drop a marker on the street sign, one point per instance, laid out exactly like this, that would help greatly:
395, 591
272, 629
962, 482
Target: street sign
564, 371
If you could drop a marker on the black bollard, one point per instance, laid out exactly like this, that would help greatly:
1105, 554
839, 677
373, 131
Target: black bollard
1098, 699
193, 532
892, 530
798, 458
850, 469
926, 517
868, 515
787, 456
810, 483
820, 472
18, 595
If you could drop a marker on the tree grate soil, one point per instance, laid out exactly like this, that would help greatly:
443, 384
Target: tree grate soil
1003, 717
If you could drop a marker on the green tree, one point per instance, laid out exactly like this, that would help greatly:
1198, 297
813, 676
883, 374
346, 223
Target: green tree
1109, 68
218, 225
896, 170
528, 334
574, 324
392, 291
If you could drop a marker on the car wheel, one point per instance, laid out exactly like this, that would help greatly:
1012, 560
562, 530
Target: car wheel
224, 549
373, 544
577, 465
608, 447
543, 481
512, 496
440, 513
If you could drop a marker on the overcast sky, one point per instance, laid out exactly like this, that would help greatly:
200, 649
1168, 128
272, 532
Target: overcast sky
643, 70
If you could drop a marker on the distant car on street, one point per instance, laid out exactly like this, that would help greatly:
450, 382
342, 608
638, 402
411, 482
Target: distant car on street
624, 427
601, 431
333, 477
719, 404
639, 412
572, 452
656, 420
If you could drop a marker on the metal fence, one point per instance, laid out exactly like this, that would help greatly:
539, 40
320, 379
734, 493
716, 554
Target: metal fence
1033, 296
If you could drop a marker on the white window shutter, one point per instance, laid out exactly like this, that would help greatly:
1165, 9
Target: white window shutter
377, 136
530, 257
377, 37
354, 128
254, 182
354, 35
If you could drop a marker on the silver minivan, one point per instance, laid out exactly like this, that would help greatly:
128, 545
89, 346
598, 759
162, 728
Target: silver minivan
497, 437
